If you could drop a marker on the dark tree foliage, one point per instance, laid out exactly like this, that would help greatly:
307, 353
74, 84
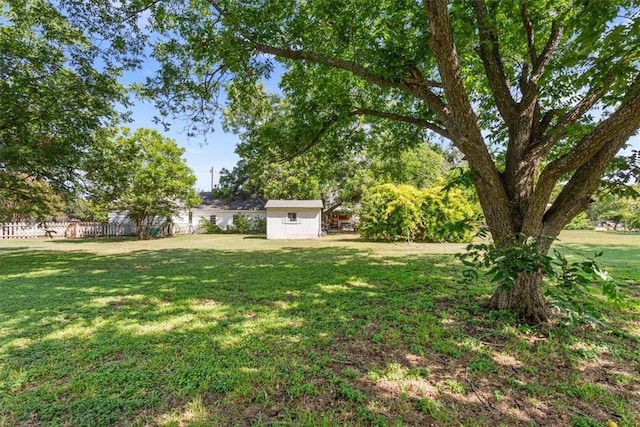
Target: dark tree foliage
53, 99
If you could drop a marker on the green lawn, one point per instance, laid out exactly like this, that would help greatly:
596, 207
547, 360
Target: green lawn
232, 330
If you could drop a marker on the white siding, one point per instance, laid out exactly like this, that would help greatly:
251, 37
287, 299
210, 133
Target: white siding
307, 225
120, 216
224, 218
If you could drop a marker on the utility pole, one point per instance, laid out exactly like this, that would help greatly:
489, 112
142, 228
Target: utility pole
211, 172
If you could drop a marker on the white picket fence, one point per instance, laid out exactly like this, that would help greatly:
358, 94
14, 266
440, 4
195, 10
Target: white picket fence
71, 229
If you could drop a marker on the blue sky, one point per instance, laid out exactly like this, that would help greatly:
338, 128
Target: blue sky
216, 152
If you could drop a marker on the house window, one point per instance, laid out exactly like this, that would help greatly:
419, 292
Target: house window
292, 217
213, 219
235, 219
190, 217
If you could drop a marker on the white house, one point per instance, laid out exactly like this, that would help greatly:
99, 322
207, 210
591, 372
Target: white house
221, 212
294, 219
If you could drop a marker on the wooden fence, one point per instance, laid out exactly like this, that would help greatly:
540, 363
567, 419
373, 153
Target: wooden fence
71, 229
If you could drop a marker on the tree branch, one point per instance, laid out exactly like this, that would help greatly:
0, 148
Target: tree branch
579, 110
419, 88
529, 86
489, 51
417, 78
575, 196
324, 128
550, 48
625, 121
416, 85
610, 134
528, 27
317, 58
462, 118
463, 122
405, 119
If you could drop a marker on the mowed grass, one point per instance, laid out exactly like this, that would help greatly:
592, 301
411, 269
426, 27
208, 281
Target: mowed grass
232, 330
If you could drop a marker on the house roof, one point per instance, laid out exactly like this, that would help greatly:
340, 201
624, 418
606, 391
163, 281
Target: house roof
294, 204
232, 204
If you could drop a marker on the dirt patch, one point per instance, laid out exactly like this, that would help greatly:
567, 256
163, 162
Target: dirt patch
553, 391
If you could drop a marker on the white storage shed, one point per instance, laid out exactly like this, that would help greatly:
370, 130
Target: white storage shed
294, 219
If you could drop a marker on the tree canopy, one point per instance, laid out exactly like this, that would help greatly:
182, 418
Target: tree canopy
53, 99
532, 92
273, 165
143, 174
617, 210
338, 182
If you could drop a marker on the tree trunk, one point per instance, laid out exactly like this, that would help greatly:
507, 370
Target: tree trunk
524, 298
143, 228
139, 233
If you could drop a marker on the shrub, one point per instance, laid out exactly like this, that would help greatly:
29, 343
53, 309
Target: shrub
447, 216
208, 227
391, 212
403, 212
580, 222
260, 226
241, 224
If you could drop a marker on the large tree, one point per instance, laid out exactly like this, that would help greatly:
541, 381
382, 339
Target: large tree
143, 174
15, 206
54, 99
533, 92
274, 165
338, 182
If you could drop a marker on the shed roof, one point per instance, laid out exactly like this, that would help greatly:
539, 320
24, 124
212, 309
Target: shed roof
294, 204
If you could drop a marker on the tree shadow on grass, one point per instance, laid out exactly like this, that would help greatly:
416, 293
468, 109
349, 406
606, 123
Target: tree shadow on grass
621, 233
14, 248
85, 240
300, 336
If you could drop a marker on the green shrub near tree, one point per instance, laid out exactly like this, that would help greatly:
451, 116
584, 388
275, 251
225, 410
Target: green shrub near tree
260, 226
403, 212
391, 212
241, 224
447, 215
209, 227
580, 222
